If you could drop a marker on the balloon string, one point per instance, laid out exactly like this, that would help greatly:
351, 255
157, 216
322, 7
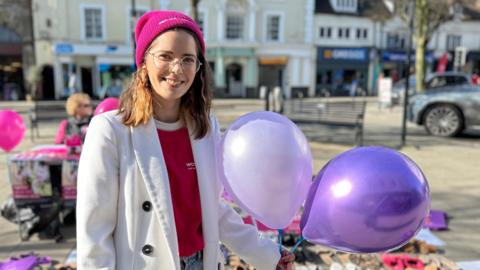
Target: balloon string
300, 240
280, 238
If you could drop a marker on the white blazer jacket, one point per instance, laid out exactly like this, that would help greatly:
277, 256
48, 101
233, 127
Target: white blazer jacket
124, 208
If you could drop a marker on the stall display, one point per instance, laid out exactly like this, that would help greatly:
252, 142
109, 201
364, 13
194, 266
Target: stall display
43, 178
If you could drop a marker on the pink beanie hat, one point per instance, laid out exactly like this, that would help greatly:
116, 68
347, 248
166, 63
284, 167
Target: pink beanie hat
153, 23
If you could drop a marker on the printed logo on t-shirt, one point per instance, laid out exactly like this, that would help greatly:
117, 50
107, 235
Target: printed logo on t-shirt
190, 166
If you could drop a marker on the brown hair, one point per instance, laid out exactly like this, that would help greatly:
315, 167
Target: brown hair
136, 102
74, 101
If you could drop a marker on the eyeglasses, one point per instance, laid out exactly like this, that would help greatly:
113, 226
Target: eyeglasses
187, 63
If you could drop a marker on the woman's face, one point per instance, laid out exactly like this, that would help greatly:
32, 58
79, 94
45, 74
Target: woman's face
171, 64
84, 108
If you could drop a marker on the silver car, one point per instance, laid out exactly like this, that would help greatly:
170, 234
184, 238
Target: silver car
446, 111
432, 81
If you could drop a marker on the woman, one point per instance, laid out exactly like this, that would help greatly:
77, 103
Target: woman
148, 195
79, 109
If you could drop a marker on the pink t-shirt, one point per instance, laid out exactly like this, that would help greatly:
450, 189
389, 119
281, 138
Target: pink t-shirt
182, 174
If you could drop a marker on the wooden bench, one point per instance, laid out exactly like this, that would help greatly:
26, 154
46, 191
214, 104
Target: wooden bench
44, 111
330, 111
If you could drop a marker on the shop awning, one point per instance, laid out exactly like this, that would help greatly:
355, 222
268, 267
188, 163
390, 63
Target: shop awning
278, 60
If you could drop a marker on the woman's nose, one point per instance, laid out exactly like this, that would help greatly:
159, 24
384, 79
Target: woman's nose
175, 66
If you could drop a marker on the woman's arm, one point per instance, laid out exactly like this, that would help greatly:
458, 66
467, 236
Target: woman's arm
60, 136
244, 240
97, 197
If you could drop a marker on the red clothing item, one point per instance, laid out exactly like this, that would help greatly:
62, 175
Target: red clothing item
182, 173
60, 137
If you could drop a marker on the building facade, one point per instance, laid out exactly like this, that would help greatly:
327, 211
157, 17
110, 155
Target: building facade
345, 35
87, 44
306, 46
256, 43
88, 47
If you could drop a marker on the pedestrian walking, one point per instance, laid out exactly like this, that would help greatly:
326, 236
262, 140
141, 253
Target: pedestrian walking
148, 193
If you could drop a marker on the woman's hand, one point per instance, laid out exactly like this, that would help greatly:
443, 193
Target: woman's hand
286, 261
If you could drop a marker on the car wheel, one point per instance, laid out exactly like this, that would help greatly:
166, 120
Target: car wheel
443, 120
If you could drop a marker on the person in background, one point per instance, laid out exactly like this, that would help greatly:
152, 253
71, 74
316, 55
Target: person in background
148, 192
475, 77
79, 109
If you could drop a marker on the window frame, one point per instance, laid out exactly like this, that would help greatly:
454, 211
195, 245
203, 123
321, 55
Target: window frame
242, 32
103, 21
453, 41
281, 26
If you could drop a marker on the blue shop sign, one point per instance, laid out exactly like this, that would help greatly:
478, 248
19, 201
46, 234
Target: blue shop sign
63, 48
402, 56
349, 54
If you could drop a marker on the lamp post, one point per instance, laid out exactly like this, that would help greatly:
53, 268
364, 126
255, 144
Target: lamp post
407, 80
133, 18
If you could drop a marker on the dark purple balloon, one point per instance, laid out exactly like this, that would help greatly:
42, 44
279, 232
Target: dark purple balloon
365, 200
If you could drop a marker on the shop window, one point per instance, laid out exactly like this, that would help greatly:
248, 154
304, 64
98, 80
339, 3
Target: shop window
113, 79
9, 36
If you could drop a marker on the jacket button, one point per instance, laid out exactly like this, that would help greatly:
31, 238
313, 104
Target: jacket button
147, 206
147, 249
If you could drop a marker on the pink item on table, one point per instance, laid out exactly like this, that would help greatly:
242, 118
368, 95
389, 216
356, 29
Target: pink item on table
293, 227
24, 263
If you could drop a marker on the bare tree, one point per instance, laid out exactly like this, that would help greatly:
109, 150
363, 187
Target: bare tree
428, 16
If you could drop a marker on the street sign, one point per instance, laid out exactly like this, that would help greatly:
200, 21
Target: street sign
460, 57
385, 91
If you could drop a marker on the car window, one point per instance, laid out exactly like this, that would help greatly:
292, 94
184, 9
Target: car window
460, 80
437, 82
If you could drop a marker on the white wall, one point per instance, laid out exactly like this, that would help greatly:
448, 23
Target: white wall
341, 21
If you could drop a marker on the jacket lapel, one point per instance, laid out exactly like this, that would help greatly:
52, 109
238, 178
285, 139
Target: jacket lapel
148, 153
204, 156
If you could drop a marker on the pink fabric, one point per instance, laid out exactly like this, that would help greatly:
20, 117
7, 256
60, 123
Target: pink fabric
46, 154
153, 23
294, 226
182, 175
60, 137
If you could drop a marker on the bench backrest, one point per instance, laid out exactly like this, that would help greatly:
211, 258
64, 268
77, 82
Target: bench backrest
49, 110
327, 110
341, 112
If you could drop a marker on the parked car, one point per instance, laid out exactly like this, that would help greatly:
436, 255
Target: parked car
433, 81
446, 111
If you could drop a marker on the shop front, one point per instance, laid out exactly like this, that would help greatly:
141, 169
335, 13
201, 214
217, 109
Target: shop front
341, 71
11, 72
394, 63
235, 71
98, 70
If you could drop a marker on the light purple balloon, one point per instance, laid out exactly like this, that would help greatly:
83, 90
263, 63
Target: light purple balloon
365, 200
265, 164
